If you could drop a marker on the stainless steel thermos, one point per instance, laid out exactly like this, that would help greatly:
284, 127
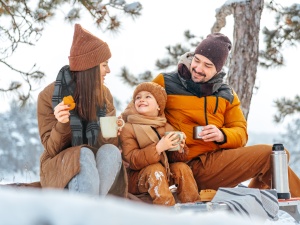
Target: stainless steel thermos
280, 180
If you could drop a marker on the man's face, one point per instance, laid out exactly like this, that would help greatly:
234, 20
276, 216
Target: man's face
202, 69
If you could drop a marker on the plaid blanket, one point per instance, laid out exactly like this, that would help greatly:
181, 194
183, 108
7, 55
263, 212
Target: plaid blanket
249, 202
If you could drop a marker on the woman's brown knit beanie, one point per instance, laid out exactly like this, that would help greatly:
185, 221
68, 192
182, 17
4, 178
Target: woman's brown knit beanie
216, 48
156, 90
87, 50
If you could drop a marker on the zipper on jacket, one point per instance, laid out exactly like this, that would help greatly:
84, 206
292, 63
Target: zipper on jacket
205, 108
205, 111
217, 104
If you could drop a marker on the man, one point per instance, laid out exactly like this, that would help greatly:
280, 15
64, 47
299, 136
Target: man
197, 96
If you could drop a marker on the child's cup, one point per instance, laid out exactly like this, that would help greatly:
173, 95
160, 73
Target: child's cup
179, 136
109, 126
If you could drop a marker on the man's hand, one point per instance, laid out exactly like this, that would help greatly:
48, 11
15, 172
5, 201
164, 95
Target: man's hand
211, 133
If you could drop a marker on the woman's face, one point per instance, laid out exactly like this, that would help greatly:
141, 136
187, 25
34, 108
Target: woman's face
104, 69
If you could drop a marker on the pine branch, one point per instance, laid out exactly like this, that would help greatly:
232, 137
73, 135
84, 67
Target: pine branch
286, 107
25, 26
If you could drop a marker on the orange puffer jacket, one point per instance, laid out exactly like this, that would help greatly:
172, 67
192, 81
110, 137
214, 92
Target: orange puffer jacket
185, 110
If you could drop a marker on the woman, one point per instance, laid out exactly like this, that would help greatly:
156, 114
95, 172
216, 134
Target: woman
76, 156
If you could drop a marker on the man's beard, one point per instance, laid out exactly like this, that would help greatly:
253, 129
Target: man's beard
199, 73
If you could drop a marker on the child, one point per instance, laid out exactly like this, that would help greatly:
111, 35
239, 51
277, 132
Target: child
144, 149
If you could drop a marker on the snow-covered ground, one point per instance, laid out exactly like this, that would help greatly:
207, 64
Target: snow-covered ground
25, 177
25, 206
34, 207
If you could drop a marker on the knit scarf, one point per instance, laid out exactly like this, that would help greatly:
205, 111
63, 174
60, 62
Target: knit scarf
144, 131
198, 89
142, 127
64, 86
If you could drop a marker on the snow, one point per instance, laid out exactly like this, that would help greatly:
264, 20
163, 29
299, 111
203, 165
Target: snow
40, 13
19, 138
229, 2
132, 7
22, 206
54, 207
295, 18
24, 177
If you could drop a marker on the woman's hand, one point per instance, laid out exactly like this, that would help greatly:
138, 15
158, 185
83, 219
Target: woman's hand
182, 143
167, 142
120, 123
61, 112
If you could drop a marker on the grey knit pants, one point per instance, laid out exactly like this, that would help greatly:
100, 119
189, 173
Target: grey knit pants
97, 175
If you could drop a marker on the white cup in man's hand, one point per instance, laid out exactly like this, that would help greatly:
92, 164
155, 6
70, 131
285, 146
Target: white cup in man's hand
110, 125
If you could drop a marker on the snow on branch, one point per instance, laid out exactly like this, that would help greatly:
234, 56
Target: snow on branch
225, 10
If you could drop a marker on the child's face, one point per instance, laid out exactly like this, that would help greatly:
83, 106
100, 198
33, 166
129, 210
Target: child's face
146, 104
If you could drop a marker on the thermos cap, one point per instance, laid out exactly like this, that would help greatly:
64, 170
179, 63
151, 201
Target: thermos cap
277, 147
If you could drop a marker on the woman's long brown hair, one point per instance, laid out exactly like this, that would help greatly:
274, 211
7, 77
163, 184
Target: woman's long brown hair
88, 93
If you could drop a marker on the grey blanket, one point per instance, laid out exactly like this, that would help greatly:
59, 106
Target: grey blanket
249, 202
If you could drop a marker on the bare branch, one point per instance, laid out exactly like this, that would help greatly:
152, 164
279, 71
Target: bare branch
221, 15
25, 26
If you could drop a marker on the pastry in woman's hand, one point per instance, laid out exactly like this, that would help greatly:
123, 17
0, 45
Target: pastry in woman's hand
68, 100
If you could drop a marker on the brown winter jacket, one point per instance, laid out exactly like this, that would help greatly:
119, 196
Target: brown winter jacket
139, 158
59, 162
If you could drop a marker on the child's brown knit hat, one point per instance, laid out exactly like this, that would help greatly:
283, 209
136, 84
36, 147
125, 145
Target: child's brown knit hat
216, 48
87, 50
156, 90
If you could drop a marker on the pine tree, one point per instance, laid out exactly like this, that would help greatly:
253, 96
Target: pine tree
286, 33
21, 147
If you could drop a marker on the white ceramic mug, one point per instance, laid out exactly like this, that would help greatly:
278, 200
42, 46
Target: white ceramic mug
179, 136
109, 126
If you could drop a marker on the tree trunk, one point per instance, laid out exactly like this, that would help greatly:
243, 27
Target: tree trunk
244, 53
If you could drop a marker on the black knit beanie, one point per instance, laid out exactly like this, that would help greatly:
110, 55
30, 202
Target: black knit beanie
215, 47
